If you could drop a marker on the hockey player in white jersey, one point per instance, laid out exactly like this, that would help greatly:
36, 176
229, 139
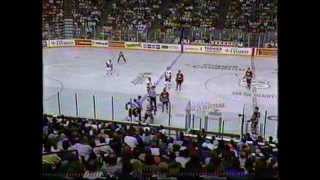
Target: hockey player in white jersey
131, 107
167, 78
149, 84
109, 67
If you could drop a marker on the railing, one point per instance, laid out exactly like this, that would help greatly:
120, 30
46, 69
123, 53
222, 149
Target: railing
111, 108
171, 130
61, 152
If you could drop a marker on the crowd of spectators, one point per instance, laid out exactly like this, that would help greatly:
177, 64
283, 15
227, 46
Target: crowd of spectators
52, 18
86, 16
200, 17
245, 15
106, 150
135, 13
252, 15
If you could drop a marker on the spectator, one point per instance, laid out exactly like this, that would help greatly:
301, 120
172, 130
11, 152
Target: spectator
68, 155
92, 163
193, 166
130, 140
83, 149
183, 157
111, 165
103, 148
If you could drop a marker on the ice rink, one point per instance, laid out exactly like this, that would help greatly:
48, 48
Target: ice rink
213, 84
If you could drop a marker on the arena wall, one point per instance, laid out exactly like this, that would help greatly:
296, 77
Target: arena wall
202, 49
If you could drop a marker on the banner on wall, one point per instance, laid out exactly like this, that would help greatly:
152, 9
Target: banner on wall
117, 44
223, 43
193, 48
237, 51
83, 42
151, 46
61, 43
213, 49
170, 47
267, 52
99, 43
162, 47
133, 45
218, 50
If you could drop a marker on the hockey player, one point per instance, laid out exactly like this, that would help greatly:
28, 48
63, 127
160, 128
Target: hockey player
149, 84
138, 103
153, 98
248, 76
255, 120
132, 110
167, 78
122, 56
109, 67
179, 80
148, 112
164, 98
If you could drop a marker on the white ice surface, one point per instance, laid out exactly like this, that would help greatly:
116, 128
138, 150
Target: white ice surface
82, 71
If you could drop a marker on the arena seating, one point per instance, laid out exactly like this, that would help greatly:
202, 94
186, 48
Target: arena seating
86, 17
131, 16
98, 150
52, 18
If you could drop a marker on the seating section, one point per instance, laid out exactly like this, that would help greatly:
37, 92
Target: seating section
88, 148
52, 19
123, 19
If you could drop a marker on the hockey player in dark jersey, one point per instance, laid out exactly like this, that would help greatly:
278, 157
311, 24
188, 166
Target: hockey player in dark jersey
109, 67
138, 103
164, 98
248, 76
179, 80
255, 120
148, 112
121, 56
